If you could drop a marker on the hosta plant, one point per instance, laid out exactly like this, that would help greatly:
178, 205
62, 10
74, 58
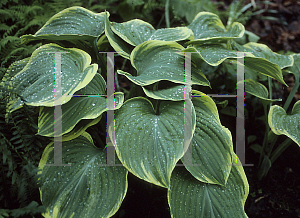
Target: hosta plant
159, 124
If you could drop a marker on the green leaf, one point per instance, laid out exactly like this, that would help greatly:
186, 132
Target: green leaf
264, 168
217, 53
257, 148
262, 51
211, 146
123, 48
257, 89
80, 127
136, 32
189, 9
172, 34
127, 9
149, 144
158, 60
284, 124
247, 37
188, 197
265, 67
87, 103
135, 2
231, 67
222, 104
4, 213
35, 82
295, 69
83, 189
166, 91
207, 26
74, 23
213, 54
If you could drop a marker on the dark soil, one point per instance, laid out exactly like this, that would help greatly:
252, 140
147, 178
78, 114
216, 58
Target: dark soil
278, 194
281, 34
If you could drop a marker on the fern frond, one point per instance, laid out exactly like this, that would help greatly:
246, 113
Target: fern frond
32, 23
3, 2
58, 5
32, 208
8, 39
5, 15
25, 10
27, 183
10, 30
4, 27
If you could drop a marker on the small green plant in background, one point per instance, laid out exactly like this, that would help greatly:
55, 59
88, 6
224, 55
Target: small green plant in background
149, 124
278, 121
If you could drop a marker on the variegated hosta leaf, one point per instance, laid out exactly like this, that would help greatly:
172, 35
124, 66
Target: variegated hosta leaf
158, 60
83, 189
231, 67
296, 67
165, 91
247, 37
188, 197
134, 31
150, 143
216, 54
81, 106
172, 34
137, 31
257, 89
120, 46
80, 127
213, 54
35, 82
262, 51
74, 23
265, 67
284, 124
211, 146
208, 26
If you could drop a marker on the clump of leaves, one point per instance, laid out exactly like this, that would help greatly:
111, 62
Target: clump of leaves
151, 132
